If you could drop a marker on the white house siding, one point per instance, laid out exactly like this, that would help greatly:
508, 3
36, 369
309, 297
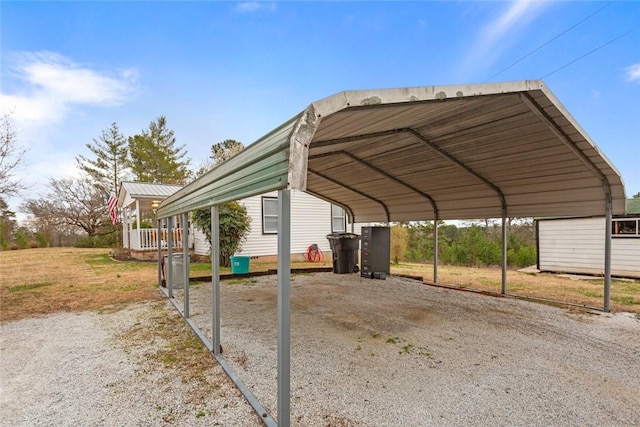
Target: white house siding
310, 223
577, 246
200, 244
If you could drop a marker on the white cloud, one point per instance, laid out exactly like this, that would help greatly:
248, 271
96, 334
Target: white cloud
498, 34
254, 6
49, 85
514, 15
633, 72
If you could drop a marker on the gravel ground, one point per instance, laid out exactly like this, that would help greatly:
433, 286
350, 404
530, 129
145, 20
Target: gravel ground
79, 370
364, 353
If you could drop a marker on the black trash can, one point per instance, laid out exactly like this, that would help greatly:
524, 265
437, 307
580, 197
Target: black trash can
344, 247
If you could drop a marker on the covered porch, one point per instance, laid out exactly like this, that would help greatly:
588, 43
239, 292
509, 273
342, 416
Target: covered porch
138, 203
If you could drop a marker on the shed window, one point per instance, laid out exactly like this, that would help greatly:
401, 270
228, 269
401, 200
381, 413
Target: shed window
269, 215
338, 219
626, 227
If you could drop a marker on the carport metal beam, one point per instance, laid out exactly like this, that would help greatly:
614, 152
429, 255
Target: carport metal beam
442, 153
215, 346
432, 202
562, 136
504, 250
435, 250
342, 205
495, 188
215, 277
169, 264
607, 255
185, 261
159, 244
381, 172
284, 308
323, 176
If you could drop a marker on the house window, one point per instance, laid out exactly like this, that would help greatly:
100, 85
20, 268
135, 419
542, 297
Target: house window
625, 227
338, 219
269, 215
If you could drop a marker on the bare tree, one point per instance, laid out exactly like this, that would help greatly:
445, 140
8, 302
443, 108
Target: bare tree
11, 157
75, 202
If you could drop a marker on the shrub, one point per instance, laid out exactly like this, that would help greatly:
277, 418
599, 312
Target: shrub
523, 256
42, 242
473, 248
234, 226
104, 241
143, 224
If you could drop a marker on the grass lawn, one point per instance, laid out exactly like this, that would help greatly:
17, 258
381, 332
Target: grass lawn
41, 281
625, 294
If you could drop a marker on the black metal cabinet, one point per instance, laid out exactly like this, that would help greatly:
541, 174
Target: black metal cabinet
375, 252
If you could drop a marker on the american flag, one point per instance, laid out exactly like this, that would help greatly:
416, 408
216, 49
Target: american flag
113, 209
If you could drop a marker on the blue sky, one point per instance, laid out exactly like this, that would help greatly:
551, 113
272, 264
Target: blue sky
220, 70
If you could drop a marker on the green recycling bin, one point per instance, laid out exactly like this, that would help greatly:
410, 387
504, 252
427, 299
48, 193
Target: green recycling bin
240, 264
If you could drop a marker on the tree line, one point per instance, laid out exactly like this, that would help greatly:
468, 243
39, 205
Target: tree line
74, 210
477, 244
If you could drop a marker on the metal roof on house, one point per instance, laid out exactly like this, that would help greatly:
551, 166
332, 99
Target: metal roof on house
143, 190
420, 153
633, 206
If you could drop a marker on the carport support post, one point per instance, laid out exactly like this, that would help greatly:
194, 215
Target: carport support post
185, 262
159, 243
435, 250
170, 256
607, 257
504, 251
284, 307
215, 276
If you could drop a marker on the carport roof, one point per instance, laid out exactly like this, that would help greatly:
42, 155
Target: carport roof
420, 153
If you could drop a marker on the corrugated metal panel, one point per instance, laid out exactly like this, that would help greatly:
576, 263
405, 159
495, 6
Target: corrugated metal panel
261, 167
465, 151
148, 189
633, 206
132, 191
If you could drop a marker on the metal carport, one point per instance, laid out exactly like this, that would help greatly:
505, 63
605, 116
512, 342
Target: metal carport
424, 153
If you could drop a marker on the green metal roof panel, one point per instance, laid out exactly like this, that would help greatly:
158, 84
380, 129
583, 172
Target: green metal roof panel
261, 167
633, 206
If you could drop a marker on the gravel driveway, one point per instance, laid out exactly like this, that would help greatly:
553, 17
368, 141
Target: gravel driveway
364, 353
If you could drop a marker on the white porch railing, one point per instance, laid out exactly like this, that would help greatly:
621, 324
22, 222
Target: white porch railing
148, 239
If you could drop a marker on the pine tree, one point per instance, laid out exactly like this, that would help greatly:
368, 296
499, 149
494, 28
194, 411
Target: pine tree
109, 168
154, 156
